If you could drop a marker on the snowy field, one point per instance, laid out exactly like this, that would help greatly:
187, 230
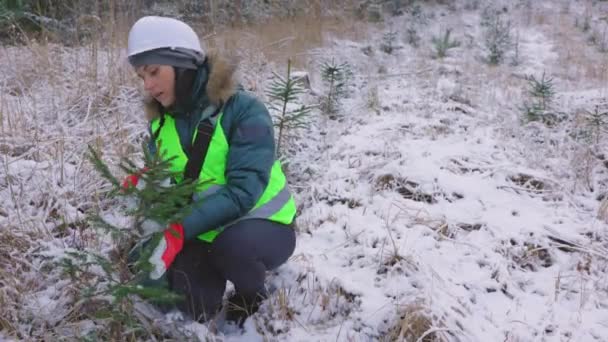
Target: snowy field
431, 208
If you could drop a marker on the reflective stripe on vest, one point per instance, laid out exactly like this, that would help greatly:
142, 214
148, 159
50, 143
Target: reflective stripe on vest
275, 203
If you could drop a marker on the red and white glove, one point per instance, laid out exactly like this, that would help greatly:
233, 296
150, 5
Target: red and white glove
167, 249
132, 179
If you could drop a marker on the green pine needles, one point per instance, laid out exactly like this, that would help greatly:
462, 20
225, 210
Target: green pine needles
388, 42
542, 90
111, 283
541, 93
444, 43
596, 122
497, 39
11, 10
288, 114
539, 105
157, 199
336, 77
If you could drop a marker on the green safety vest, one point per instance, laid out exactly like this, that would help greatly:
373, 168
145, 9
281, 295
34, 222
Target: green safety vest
276, 203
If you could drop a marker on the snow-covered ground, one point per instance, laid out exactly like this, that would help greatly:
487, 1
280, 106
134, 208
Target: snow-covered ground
429, 210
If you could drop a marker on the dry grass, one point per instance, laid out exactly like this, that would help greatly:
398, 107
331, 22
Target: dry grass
14, 284
78, 85
413, 324
280, 39
281, 303
54, 99
578, 61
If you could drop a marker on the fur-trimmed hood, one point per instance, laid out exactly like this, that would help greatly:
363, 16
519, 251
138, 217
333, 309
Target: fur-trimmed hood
222, 83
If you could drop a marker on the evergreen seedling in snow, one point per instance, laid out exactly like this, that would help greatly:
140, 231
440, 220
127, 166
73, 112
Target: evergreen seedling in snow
417, 15
532, 112
541, 92
444, 43
283, 93
157, 200
597, 123
416, 18
396, 6
487, 15
497, 39
110, 280
412, 37
374, 13
336, 77
586, 23
594, 37
388, 42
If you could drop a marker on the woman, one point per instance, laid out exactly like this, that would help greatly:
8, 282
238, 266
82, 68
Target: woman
241, 218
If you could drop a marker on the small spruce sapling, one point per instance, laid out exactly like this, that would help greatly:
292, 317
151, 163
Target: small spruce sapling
541, 93
388, 42
336, 78
283, 94
110, 280
497, 39
444, 43
597, 123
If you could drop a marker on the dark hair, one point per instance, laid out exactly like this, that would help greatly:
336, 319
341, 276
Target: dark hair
184, 80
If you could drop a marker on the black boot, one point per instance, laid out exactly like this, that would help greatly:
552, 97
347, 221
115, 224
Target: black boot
240, 307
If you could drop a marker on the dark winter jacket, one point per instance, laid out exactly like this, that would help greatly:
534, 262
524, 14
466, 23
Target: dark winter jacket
251, 139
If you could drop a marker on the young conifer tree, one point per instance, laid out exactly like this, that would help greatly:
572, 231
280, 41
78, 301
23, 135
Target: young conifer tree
113, 281
288, 114
541, 92
336, 77
597, 124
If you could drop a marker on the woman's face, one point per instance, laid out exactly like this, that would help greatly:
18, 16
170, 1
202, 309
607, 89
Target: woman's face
159, 82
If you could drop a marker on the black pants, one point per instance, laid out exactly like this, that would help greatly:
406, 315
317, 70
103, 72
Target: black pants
242, 254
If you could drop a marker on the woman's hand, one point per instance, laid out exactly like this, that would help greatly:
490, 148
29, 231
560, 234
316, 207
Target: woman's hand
133, 179
167, 249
